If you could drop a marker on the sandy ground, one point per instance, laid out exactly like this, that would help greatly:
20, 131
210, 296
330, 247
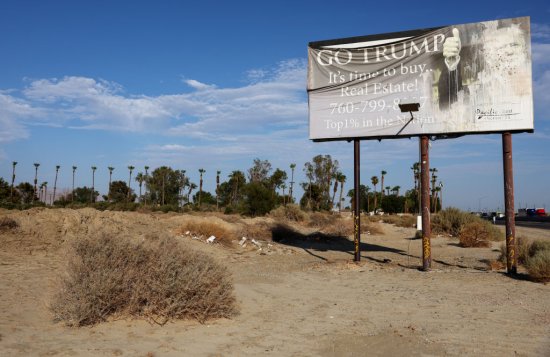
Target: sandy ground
304, 299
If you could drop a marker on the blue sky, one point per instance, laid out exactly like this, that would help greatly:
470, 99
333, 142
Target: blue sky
214, 85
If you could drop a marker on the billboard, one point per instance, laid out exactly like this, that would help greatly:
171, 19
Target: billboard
470, 78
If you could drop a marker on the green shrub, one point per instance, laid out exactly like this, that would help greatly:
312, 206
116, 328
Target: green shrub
157, 279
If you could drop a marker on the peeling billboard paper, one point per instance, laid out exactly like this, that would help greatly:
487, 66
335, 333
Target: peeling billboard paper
472, 78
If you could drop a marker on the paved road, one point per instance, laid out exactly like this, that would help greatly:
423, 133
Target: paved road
530, 224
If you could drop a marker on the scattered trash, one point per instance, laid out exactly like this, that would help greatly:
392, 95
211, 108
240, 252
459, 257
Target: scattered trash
195, 237
242, 241
256, 243
211, 239
187, 233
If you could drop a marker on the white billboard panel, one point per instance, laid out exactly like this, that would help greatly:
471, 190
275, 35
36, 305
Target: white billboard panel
472, 78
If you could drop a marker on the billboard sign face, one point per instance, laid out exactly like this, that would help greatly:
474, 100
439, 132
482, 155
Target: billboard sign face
472, 78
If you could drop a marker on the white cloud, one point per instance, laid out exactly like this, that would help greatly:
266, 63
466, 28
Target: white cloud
275, 99
540, 56
540, 31
198, 85
541, 88
13, 113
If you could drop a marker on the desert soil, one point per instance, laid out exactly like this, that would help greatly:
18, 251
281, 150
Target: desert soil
295, 298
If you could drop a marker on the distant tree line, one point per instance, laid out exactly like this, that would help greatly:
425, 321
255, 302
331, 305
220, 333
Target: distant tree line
254, 192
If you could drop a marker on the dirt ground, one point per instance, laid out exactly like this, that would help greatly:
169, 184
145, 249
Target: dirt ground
303, 298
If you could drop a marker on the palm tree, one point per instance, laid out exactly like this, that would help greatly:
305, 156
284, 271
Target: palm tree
192, 186
388, 190
72, 194
140, 177
57, 167
146, 179
283, 187
441, 195
335, 189
92, 198
309, 173
201, 171
396, 189
374, 181
329, 171
437, 197
110, 168
382, 173
367, 189
130, 168
183, 181
416, 172
12, 178
217, 189
44, 189
163, 171
342, 179
292, 167
40, 191
36, 165
234, 176
433, 180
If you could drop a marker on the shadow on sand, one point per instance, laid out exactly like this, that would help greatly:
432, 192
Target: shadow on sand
322, 242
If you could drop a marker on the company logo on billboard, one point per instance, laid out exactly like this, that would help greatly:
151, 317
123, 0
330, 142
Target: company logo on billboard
492, 112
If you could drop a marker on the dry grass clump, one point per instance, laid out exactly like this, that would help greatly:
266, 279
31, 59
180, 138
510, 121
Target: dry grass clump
474, 235
406, 221
538, 260
523, 246
289, 212
322, 219
453, 221
159, 280
535, 256
257, 230
206, 229
337, 225
538, 265
8, 224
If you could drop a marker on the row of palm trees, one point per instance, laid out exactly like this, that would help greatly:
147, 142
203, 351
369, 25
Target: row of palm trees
339, 180
40, 192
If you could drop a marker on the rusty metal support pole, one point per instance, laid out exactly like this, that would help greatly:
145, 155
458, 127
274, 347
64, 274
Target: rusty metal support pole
425, 202
511, 244
357, 201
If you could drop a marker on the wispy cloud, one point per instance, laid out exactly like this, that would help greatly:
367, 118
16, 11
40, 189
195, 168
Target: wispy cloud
541, 87
270, 99
540, 31
13, 112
